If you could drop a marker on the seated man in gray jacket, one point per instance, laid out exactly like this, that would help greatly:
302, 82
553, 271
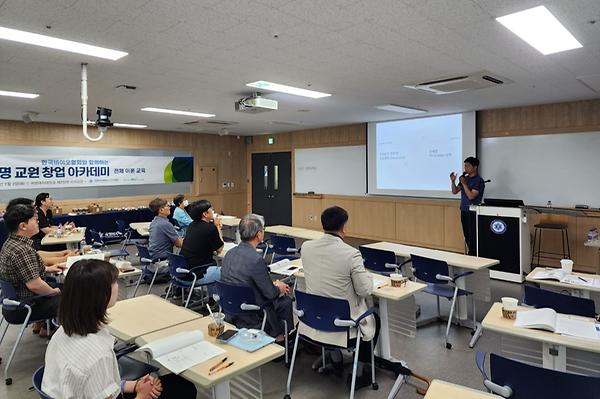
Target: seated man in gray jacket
242, 265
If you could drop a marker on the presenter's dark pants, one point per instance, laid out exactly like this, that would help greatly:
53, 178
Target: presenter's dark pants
468, 221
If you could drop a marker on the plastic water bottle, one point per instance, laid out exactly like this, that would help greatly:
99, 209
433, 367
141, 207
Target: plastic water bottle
82, 244
59, 231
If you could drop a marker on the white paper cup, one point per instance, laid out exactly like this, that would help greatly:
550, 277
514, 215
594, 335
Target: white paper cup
509, 303
566, 265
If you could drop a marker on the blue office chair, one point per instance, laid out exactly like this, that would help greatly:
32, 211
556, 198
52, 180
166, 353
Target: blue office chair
379, 260
439, 283
516, 380
36, 380
146, 261
561, 303
283, 247
10, 305
99, 243
239, 300
184, 278
127, 232
328, 315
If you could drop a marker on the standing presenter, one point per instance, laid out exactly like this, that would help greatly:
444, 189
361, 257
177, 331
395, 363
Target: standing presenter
471, 187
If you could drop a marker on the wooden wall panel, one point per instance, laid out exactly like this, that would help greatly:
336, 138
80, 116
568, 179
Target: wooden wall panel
227, 154
306, 212
453, 234
569, 117
420, 224
375, 219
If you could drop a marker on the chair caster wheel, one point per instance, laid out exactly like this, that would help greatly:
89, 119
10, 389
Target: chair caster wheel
8, 381
375, 386
287, 397
448, 345
472, 333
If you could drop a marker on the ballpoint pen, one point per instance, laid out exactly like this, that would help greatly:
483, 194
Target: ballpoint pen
582, 279
217, 365
220, 368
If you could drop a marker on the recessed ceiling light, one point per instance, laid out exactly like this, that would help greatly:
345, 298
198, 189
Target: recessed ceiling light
538, 27
18, 94
177, 112
401, 109
59, 44
261, 84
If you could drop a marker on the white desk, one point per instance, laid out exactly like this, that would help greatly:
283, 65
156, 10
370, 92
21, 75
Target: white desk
295, 232
218, 382
478, 265
142, 228
141, 315
445, 390
554, 346
71, 239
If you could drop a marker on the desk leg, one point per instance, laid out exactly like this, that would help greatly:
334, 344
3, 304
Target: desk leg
461, 301
383, 349
554, 357
221, 391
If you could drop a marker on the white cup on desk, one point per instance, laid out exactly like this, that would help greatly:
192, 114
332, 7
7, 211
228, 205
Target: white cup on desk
509, 307
566, 265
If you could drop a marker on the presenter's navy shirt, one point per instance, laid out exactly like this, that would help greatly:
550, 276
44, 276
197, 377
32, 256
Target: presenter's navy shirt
474, 183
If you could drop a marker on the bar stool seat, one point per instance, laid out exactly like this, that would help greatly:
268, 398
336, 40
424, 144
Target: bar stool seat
537, 242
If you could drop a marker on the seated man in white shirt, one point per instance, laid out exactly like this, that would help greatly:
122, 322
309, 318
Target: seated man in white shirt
334, 269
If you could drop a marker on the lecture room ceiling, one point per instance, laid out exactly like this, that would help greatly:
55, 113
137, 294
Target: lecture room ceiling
198, 56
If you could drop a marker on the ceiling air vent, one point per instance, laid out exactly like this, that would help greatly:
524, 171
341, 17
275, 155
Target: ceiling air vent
220, 123
456, 84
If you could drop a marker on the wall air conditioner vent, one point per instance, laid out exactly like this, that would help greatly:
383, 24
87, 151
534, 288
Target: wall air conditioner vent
456, 84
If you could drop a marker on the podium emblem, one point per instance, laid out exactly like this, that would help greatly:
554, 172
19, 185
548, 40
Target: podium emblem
498, 226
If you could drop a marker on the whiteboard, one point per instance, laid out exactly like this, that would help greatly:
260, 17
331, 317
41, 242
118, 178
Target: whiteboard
562, 168
331, 170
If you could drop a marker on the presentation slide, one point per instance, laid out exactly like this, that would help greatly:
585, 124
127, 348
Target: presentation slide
414, 157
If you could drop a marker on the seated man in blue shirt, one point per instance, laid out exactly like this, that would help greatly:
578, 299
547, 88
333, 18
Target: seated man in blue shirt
242, 265
180, 215
162, 234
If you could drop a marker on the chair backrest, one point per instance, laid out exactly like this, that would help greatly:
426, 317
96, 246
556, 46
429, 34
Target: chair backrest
320, 312
425, 269
231, 298
36, 380
175, 262
121, 226
376, 259
528, 381
95, 236
280, 244
540, 298
143, 251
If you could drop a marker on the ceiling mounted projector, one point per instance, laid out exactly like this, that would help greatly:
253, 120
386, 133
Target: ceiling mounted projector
255, 105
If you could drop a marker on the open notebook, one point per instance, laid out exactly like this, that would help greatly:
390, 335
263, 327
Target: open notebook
181, 351
284, 268
548, 319
566, 278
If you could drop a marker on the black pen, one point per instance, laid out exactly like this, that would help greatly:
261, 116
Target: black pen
582, 279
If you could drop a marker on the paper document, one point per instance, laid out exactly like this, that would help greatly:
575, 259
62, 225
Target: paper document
181, 351
548, 319
73, 259
567, 278
379, 280
284, 268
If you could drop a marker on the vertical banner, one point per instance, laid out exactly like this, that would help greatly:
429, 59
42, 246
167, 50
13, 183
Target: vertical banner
38, 171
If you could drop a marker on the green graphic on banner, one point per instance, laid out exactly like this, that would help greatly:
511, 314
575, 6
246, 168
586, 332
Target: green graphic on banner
180, 169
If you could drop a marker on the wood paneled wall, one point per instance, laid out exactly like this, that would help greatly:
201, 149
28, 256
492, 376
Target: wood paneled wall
568, 117
223, 157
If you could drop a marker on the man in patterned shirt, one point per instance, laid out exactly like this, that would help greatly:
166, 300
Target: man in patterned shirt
21, 266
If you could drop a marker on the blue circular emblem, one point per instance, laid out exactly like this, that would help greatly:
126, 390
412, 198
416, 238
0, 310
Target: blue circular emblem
498, 226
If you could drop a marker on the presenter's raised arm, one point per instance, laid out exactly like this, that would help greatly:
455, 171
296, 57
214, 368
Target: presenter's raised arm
453, 186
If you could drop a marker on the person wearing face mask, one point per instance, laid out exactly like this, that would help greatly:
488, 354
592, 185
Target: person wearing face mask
180, 214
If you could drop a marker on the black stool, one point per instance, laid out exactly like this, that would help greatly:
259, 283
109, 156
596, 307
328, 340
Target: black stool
564, 234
